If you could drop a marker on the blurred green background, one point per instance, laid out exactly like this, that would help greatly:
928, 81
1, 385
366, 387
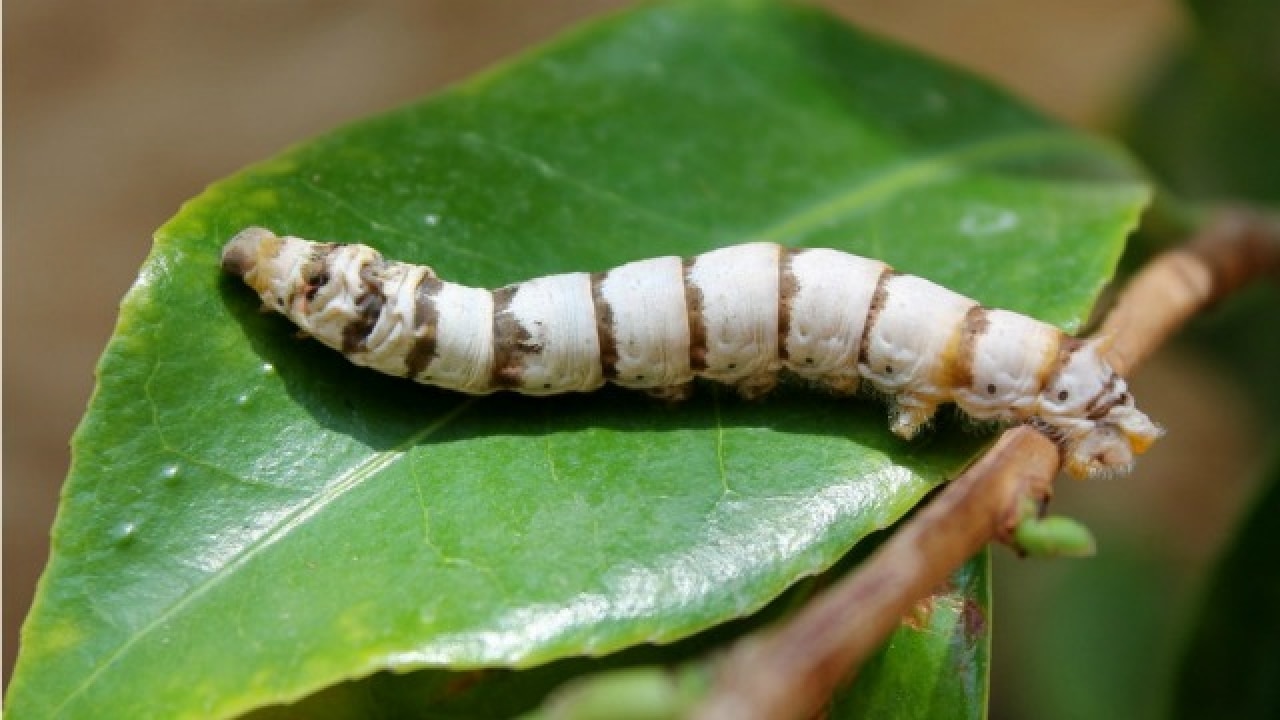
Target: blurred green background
116, 113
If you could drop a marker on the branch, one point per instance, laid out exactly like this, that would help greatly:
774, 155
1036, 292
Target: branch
792, 671
1233, 248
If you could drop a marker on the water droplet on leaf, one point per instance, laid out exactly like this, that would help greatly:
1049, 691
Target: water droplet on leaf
169, 473
125, 533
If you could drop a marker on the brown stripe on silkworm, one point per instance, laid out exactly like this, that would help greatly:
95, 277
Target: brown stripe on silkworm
693, 301
605, 334
1067, 345
878, 300
1106, 388
1049, 361
315, 273
508, 336
368, 308
959, 365
1097, 409
788, 285
426, 325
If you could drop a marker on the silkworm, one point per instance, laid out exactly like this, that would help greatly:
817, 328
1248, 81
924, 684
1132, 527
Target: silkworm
738, 315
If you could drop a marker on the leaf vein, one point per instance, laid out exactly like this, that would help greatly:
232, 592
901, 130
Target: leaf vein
546, 169
865, 193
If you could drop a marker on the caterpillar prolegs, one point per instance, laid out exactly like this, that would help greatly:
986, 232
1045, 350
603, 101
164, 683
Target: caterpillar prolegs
737, 315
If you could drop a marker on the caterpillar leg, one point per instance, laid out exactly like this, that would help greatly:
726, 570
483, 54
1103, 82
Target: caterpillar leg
910, 414
1102, 451
842, 385
671, 393
757, 386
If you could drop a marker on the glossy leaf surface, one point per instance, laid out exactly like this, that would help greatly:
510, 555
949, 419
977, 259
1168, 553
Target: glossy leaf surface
249, 518
934, 666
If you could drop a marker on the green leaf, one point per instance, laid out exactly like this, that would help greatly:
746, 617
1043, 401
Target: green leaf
933, 666
249, 518
1231, 668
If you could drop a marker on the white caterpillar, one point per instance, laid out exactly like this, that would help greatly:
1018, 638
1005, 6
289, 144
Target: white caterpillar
737, 315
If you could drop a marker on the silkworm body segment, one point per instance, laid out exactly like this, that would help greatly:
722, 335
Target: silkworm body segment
738, 315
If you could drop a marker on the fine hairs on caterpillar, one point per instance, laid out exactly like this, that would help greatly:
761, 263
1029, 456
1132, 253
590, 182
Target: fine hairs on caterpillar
737, 315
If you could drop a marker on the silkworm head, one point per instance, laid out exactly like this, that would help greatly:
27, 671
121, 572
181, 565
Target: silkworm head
1089, 407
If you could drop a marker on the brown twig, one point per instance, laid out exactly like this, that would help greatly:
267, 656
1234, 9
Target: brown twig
1234, 247
792, 671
